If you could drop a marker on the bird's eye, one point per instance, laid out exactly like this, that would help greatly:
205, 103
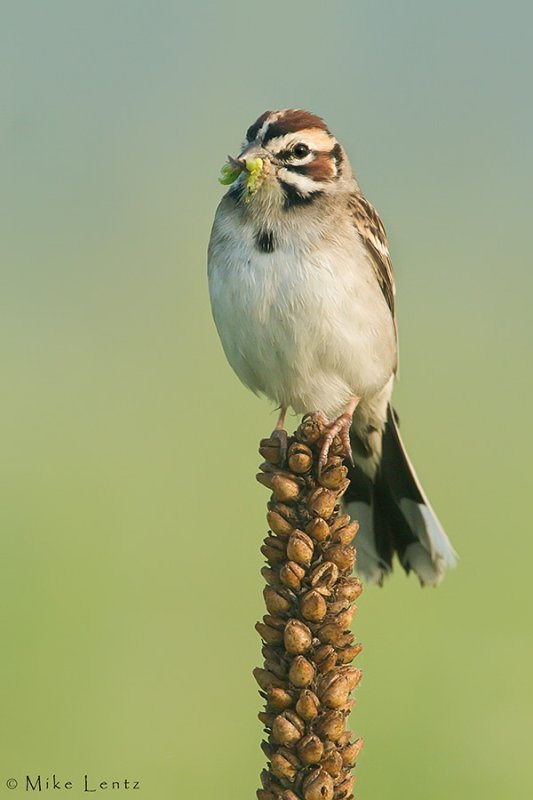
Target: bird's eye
301, 150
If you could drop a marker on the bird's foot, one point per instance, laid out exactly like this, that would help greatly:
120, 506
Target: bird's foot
339, 427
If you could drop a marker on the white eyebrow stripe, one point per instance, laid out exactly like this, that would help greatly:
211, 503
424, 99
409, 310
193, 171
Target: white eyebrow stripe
313, 137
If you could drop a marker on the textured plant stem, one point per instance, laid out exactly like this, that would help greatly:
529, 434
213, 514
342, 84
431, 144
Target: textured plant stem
307, 676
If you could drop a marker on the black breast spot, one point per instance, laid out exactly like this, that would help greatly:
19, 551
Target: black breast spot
264, 241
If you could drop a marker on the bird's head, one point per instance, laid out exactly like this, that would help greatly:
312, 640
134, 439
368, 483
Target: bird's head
288, 156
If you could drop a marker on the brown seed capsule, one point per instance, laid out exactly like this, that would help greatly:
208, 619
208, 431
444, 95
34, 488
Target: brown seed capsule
279, 699
287, 728
297, 637
324, 577
330, 633
269, 634
300, 458
346, 535
266, 679
287, 512
270, 449
340, 521
333, 474
310, 429
321, 503
332, 763
313, 606
307, 705
344, 619
273, 665
285, 489
351, 674
300, 548
330, 725
274, 550
310, 749
342, 555
325, 657
276, 601
289, 795
282, 767
347, 654
278, 524
291, 575
350, 752
266, 718
318, 785
271, 576
318, 529
301, 672
348, 589
344, 789
336, 693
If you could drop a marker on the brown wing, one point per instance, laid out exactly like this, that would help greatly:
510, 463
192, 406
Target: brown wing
372, 232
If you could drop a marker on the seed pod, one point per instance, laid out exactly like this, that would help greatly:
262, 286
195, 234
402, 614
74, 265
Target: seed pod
330, 633
318, 785
313, 606
333, 473
346, 535
291, 575
288, 794
271, 576
266, 679
342, 555
336, 693
310, 430
297, 637
300, 458
351, 674
340, 521
318, 529
300, 548
344, 789
348, 589
344, 619
279, 699
287, 512
330, 725
310, 749
307, 705
278, 524
274, 550
282, 767
266, 718
263, 794
287, 728
324, 577
332, 763
347, 654
269, 634
301, 672
273, 665
285, 489
325, 658
321, 503
276, 601
350, 752
270, 450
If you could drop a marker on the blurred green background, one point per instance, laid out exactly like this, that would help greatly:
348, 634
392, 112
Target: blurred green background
130, 517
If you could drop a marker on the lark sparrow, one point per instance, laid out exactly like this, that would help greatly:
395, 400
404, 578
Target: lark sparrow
302, 293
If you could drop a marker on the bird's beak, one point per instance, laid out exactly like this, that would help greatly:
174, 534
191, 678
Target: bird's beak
251, 161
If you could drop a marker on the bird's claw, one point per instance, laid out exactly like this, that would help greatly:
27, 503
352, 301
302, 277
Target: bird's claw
341, 427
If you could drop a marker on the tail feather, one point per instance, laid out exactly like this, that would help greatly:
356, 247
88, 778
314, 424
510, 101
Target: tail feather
396, 516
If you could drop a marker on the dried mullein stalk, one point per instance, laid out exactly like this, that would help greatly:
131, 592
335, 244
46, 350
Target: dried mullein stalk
307, 677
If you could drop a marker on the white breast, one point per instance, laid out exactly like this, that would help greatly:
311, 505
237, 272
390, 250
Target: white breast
307, 325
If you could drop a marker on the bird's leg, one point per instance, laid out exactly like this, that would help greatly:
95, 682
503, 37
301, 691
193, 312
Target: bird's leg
280, 434
339, 426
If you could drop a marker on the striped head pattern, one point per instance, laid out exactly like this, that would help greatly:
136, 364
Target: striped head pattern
301, 158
